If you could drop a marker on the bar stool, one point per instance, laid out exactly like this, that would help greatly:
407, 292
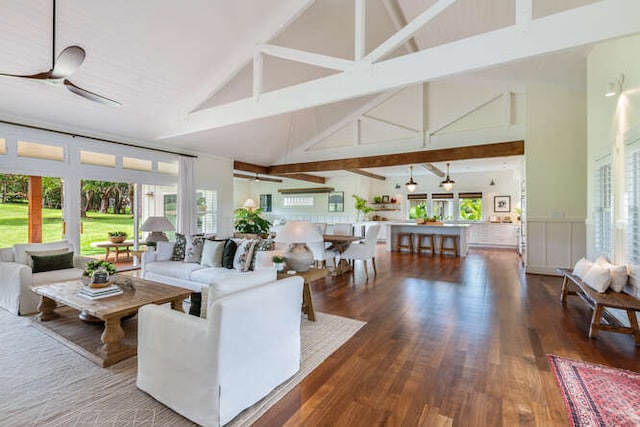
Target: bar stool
423, 239
454, 238
404, 245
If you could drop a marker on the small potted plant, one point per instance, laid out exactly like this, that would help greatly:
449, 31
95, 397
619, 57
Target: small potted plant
278, 262
91, 267
117, 236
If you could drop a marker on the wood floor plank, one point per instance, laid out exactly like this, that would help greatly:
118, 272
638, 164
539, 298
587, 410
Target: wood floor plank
448, 341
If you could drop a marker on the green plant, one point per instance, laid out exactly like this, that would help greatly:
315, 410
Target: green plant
250, 221
418, 211
277, 259
92, 266
117, 234
377, 199
471, 209
361, 206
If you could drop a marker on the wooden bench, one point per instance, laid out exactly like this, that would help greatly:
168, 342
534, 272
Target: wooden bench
598, 302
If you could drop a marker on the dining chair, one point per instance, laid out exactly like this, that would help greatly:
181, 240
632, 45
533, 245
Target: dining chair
364, 251
321, 254
343, 229
322, 227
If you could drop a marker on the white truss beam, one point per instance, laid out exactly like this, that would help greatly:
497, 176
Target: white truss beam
360, 29
324, 61
388, 123
565, 30
396, 40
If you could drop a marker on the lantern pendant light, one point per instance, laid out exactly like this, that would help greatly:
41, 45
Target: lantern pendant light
448, 183
411, 184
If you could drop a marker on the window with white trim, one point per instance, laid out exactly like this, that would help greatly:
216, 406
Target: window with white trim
288, 201
602, 214
633, 204
207, 210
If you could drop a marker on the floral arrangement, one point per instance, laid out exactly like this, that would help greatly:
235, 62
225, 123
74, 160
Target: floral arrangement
277, 259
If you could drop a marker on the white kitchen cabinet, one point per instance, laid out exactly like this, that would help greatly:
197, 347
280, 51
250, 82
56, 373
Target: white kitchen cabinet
494, 235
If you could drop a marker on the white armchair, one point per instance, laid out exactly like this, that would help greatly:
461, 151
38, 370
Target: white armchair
364, 251
209, 370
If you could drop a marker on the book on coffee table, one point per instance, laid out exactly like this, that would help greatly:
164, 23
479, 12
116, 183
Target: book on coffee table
97, 293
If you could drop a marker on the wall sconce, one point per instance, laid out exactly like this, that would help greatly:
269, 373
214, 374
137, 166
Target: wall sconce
149, 194
615, 87
492, 183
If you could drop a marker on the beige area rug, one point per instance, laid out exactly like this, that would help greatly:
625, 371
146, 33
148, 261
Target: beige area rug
44, 383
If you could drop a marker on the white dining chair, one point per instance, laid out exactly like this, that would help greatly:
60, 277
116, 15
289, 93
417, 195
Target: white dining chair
364, 251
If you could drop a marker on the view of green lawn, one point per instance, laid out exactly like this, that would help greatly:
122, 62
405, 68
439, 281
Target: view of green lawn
13, 223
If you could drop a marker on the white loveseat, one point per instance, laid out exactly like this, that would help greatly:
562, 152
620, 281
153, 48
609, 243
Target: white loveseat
17, 278
209, 370
219, 281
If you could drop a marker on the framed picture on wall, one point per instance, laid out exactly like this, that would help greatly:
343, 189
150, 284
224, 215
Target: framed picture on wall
502, 203
336, 201
265, 202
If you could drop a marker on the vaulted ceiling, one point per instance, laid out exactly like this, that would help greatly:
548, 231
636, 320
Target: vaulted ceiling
176, 66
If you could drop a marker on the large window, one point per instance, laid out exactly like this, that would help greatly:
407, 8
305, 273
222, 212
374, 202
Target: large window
207, 204
470, 206
602, 220
633, 206
442, 206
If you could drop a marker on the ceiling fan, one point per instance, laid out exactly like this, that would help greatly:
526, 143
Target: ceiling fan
69, 60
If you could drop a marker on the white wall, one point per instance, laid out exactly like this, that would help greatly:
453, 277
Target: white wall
556, 177
611, 122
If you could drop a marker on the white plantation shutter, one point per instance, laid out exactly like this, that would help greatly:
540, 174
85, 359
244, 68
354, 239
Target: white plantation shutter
633, 206
602, 215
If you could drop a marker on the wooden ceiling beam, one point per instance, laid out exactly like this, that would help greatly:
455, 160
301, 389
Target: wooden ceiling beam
303, 177
250, 167
253, 178
501, 149
434, 170
367, 174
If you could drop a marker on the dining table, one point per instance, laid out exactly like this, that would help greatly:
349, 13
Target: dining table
340, 243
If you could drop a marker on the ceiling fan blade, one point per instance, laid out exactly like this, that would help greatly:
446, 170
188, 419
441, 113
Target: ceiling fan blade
89, 95
68, 62
39, 76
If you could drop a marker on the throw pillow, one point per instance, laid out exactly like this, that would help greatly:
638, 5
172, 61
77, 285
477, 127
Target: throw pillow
619, 274
164, 250
44, 253
193, 248
212, 253
598, 278
52, 262
260, 246
582, 267
179, 247
229, 253
242, 259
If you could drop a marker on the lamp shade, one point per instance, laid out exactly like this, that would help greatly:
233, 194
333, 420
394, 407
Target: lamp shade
156, 223
249, 203
299, 232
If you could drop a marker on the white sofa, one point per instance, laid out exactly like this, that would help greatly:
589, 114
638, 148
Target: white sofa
219, 281
209, 370
17, 279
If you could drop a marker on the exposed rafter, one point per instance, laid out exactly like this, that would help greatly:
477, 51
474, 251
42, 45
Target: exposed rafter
529, 37
304, 177
434, 170
367, 174
264, 170
502, 149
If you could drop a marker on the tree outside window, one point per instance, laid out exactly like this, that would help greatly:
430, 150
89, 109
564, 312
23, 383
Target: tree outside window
471, 209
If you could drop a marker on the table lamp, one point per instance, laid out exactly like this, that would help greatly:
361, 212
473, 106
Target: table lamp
297, 234
157, 225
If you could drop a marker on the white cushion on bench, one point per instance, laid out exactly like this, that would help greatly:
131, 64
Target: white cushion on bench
619, 274
598, 278
582, 267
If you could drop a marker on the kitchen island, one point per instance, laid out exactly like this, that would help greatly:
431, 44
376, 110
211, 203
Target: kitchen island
461, 230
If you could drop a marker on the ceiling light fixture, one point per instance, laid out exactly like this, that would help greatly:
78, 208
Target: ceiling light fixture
411, 184
448, 183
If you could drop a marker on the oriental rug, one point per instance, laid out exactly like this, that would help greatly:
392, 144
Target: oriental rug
597, 395
45, 383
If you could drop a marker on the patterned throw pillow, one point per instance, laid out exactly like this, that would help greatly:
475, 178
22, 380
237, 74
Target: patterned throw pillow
242, 259
179, 247
261, 245
193, 248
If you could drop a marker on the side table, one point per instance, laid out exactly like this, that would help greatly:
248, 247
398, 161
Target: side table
309, 276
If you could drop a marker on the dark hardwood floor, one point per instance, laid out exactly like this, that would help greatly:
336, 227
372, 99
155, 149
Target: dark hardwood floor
447, 342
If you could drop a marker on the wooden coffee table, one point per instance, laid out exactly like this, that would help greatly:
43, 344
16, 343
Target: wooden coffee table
308, 276
63, 324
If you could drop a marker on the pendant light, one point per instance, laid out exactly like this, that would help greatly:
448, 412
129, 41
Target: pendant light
448, 183
411, 184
